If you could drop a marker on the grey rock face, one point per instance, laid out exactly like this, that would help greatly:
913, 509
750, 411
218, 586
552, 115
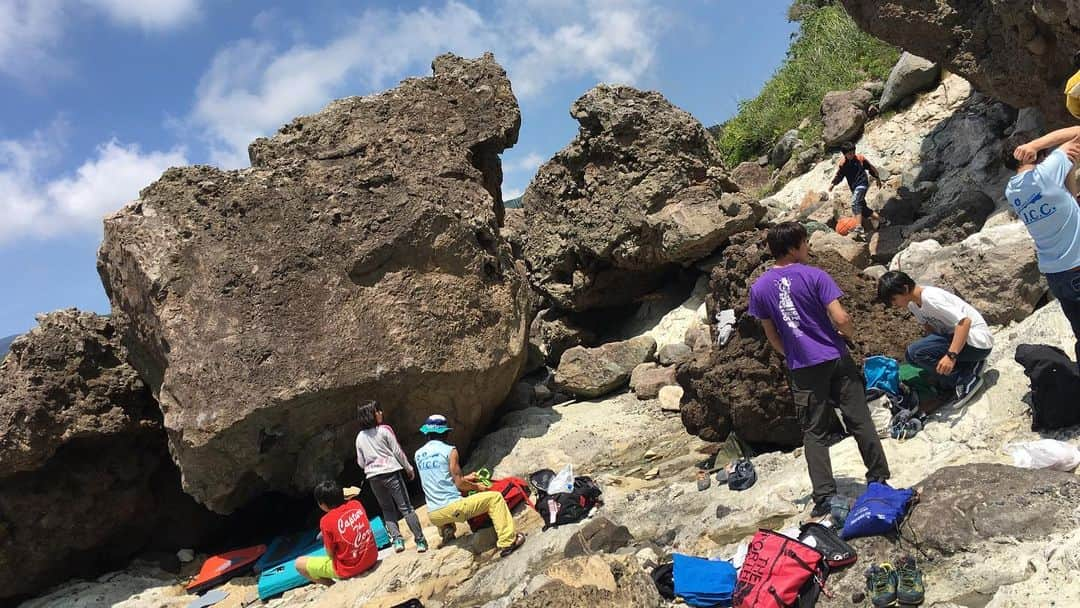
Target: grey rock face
592, 372
844, 114
85, 476
639, 190
910, 75
1005, 48
359, 257
965, 505
781, 152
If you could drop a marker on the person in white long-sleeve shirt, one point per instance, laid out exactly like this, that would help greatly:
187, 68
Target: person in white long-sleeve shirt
380, 456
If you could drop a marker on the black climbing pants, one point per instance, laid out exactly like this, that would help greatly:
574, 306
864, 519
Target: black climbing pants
815, 390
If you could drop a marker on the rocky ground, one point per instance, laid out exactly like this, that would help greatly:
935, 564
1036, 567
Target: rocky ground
1012, 549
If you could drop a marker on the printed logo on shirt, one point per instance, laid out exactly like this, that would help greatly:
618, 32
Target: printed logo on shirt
787, 306
1033, 211
355, 532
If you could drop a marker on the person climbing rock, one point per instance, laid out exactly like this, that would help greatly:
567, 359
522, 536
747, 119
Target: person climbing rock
958, 340
1038, 195
855, 168
347, 536
799, 308
380, 456
443, 483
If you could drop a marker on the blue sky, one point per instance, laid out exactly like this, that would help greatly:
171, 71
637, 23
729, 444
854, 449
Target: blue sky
100, 96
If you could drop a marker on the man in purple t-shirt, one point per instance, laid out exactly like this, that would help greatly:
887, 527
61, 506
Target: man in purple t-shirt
799, 307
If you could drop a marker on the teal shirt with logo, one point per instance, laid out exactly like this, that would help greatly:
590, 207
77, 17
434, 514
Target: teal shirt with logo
433, 465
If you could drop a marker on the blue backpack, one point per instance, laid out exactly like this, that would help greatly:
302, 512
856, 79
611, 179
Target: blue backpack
880, 510
882, 373
703, 582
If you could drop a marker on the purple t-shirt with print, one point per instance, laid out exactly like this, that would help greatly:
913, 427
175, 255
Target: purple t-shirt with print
795, 298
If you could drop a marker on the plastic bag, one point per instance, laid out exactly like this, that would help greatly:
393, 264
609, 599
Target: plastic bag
1044, 454
725, 326
563, 481
881, 414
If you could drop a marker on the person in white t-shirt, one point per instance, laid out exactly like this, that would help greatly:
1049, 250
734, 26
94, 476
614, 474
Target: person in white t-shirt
958, 340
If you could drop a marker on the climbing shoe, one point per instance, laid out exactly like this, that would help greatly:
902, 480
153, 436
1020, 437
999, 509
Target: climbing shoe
421, 545
399, 545
881, 585
909, 582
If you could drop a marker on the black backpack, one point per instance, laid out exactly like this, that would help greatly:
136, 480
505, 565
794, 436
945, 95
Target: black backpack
569, 507
663, 577
837, 552
1055, 383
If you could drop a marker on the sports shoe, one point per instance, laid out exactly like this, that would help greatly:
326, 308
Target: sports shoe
399, 545
421, 545
448, 533
822, 507
970, 382
909, 582
881, 585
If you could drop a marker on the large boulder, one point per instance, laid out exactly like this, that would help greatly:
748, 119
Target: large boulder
742, 386
964, 506
910, 75
640, 190
359, 257
554, 332
592, 372
647, 379
781, 152
85, 476
750, 176
995, 270
855, 252
1019, 51
844, 114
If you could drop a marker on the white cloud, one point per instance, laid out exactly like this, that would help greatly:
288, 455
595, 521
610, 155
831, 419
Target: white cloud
38, 207
148, 14
29, 32
527, 164
251, 88
511, 193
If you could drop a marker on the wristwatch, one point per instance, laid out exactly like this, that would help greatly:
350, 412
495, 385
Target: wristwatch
952, 355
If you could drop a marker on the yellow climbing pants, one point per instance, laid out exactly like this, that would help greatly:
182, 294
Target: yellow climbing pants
491, 503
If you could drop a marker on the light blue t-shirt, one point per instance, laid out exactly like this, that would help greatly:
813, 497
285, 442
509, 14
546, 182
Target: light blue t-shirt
433, 464
1050, 213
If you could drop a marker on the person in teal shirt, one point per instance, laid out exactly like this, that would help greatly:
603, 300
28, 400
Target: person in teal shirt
443, 483
1039, 196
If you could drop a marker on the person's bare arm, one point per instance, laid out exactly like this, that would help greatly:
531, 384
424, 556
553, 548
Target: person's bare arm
465, 483
1026, 153
773, 336
946, 364
841, 319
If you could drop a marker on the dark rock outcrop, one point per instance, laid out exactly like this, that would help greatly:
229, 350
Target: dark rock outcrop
640, 190
85, 475
969, 504
359, 257
1019, 51
742, 386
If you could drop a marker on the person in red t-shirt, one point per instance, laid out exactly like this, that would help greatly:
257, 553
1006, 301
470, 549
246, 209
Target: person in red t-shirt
347, 536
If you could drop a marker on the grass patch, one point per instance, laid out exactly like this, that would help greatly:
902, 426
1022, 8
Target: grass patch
828, 53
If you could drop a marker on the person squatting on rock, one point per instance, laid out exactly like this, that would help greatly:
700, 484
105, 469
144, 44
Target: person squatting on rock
380, 456
1039, 196
443, 483
958, 340
347, 536
854, 168
799, 307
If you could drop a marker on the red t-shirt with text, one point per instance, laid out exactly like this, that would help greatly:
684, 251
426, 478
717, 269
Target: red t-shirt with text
348, 539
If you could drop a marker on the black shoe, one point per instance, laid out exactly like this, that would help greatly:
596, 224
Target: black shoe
519, 540
822, 507
969, 383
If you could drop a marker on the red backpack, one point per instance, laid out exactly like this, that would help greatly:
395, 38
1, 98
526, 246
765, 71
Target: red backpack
777, 569
515, 491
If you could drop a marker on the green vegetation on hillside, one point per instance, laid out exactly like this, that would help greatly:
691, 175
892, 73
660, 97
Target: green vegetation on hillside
828, 53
